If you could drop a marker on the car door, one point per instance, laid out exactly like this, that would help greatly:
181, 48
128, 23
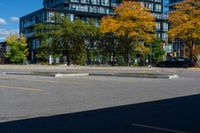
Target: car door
172, 62
180, 62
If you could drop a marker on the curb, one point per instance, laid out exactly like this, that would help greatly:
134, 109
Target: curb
173, 76
139, 76
194, 69
70, 75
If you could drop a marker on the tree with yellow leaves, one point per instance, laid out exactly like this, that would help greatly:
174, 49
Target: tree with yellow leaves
131, 22
143, 52
18, 48
185, 23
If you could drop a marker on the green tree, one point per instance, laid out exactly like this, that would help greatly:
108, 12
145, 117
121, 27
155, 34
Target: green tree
62, 37
109, 44
133, 23
78, 53
157, 52
185, 23
92, 36
66, 29
42, 34
18, 48
49, 36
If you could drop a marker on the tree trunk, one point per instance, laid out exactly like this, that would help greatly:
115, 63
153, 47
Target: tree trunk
68, 61
111, 60
67, 57
191, 50
88, 56
114, 58
128, 49
129, 59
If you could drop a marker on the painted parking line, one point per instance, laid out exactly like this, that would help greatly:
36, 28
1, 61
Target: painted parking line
158, 128
57, 82
27, 79
50, 81
21, 88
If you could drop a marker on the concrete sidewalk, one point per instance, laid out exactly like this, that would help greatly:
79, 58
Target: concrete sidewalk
63, 70
90, 68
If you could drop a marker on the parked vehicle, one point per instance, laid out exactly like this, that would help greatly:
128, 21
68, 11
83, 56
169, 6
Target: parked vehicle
177, 62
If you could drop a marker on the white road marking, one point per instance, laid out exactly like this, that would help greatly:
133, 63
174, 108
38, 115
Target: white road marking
21, 88
158, 128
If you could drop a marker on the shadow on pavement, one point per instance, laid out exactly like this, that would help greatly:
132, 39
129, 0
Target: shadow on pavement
177, 115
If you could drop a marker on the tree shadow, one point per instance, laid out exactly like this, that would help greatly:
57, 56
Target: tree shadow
176, 115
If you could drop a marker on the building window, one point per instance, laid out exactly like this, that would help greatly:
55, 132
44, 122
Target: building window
83, 8
102, 10
158, 8
158, 15
73, 7
149, 6
95, 2
76, 1
42, 17
157, 26
85, 1
85, 19
158, 0
111, 11
94, 9
105, 2
70, 17
165, 26
158, 35
37, 43
107, 11
164, 36
50, 16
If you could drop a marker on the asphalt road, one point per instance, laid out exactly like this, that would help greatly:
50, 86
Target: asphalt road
89, 104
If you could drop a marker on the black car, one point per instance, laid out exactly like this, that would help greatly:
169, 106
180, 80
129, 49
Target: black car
177, 62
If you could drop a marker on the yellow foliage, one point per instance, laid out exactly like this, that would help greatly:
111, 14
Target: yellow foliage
141, 49
131, 21
13, 39
18, 48
185, 21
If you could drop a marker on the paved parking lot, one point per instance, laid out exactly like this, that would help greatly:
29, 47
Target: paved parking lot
96, 104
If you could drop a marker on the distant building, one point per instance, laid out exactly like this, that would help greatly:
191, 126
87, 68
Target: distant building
3, 50
83, 9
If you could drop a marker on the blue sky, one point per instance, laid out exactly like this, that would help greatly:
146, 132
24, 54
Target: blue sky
11, 11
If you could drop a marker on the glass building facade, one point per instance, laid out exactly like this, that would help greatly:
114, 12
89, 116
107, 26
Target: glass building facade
84, 9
